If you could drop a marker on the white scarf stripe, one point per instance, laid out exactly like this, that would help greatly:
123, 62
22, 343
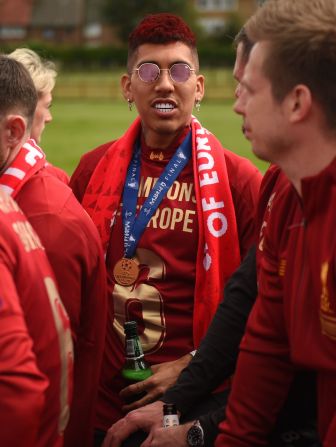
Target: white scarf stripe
29, 159
15, 172
7, 189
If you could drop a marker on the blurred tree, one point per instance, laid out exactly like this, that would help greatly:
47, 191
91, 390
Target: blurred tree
124, 17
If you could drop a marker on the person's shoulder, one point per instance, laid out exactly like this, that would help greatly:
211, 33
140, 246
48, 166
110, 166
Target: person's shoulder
272, 176
45, 194
238, 164
274, 183
90, 159
46, 199
58, 172
87, 164
244, 177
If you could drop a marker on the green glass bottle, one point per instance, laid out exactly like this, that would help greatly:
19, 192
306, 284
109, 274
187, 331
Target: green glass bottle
135, 368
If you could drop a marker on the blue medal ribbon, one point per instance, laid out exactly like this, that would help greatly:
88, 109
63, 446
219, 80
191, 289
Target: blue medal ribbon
134, 225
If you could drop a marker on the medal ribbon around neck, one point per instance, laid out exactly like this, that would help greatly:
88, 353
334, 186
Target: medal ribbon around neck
126, 270
135, 226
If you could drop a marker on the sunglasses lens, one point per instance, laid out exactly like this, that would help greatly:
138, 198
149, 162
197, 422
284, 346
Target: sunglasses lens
180, 72
149, 72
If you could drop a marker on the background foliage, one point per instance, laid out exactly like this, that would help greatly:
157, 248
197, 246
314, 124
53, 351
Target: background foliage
125, 18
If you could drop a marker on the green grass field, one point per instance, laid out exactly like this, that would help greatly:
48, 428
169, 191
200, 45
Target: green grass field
81, 125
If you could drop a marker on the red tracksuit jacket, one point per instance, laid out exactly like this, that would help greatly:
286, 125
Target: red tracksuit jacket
293, 324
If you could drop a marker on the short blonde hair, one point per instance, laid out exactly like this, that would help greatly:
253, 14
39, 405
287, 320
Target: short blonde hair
42, 72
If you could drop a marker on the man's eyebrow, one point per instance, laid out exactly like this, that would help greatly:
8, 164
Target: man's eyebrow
178, 61
245, 83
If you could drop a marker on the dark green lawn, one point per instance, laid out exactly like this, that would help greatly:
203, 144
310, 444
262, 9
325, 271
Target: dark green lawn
81, 125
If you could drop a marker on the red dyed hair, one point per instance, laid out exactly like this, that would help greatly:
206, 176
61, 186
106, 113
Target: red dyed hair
162, 28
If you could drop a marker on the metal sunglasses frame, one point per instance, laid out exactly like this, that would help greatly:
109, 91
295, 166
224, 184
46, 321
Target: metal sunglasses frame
191, 70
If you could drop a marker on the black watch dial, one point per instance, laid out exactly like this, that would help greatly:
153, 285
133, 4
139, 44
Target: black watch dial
195, 436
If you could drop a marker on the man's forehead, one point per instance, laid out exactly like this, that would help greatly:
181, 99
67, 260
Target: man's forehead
240, 62
256, 54
255, 63
156, 50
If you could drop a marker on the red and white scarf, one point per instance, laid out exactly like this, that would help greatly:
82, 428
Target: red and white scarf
29, 160
218, 252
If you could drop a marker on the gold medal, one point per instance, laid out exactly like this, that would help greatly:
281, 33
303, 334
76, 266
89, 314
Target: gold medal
126, 271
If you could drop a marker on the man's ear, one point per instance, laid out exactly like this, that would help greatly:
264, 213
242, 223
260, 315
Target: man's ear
200, 87
300, 103
15, 129
125, 83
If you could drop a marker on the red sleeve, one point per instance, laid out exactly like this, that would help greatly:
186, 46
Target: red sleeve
264, 370
82, 174
80, 271
74, 250
330, 439
245, 180
22, 385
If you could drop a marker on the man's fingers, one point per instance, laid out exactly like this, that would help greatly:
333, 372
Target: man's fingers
147, 441
120, 431
135, 388
147, 399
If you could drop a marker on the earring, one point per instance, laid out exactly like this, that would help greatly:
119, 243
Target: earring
130, 104
198, 105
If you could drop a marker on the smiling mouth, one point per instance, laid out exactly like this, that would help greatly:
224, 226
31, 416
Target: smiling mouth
164, 107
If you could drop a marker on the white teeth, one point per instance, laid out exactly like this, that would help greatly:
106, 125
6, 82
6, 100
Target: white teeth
164, 107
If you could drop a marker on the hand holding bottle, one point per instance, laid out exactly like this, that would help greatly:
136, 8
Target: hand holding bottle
145, 418
135, 368
164, 376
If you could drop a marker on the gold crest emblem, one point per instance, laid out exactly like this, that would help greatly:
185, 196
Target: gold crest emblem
282, 267
156, 156
327, 314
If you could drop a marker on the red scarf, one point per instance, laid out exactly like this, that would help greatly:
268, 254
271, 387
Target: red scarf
218, 252
29, 160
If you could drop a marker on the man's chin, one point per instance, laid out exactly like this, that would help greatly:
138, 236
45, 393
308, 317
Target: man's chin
260, 154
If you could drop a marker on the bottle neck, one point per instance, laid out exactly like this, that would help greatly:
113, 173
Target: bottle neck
170, 416
133, 349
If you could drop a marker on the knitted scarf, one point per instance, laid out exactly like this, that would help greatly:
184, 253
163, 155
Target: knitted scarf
218, 252
29, 160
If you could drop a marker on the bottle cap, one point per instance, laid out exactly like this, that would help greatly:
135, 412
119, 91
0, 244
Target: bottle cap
131, 328
169, 409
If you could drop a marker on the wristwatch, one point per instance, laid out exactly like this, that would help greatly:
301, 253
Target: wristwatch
195, 435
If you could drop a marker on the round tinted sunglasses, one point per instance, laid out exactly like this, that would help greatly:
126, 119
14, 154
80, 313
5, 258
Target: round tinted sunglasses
149, 72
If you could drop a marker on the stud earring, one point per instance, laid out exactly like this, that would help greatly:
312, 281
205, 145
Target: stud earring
198, 105
130, 104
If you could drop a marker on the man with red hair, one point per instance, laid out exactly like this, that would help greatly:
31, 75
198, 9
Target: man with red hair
174, 210
200, 406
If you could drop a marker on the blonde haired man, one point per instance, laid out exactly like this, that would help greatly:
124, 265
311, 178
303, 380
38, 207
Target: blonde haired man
43, 74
